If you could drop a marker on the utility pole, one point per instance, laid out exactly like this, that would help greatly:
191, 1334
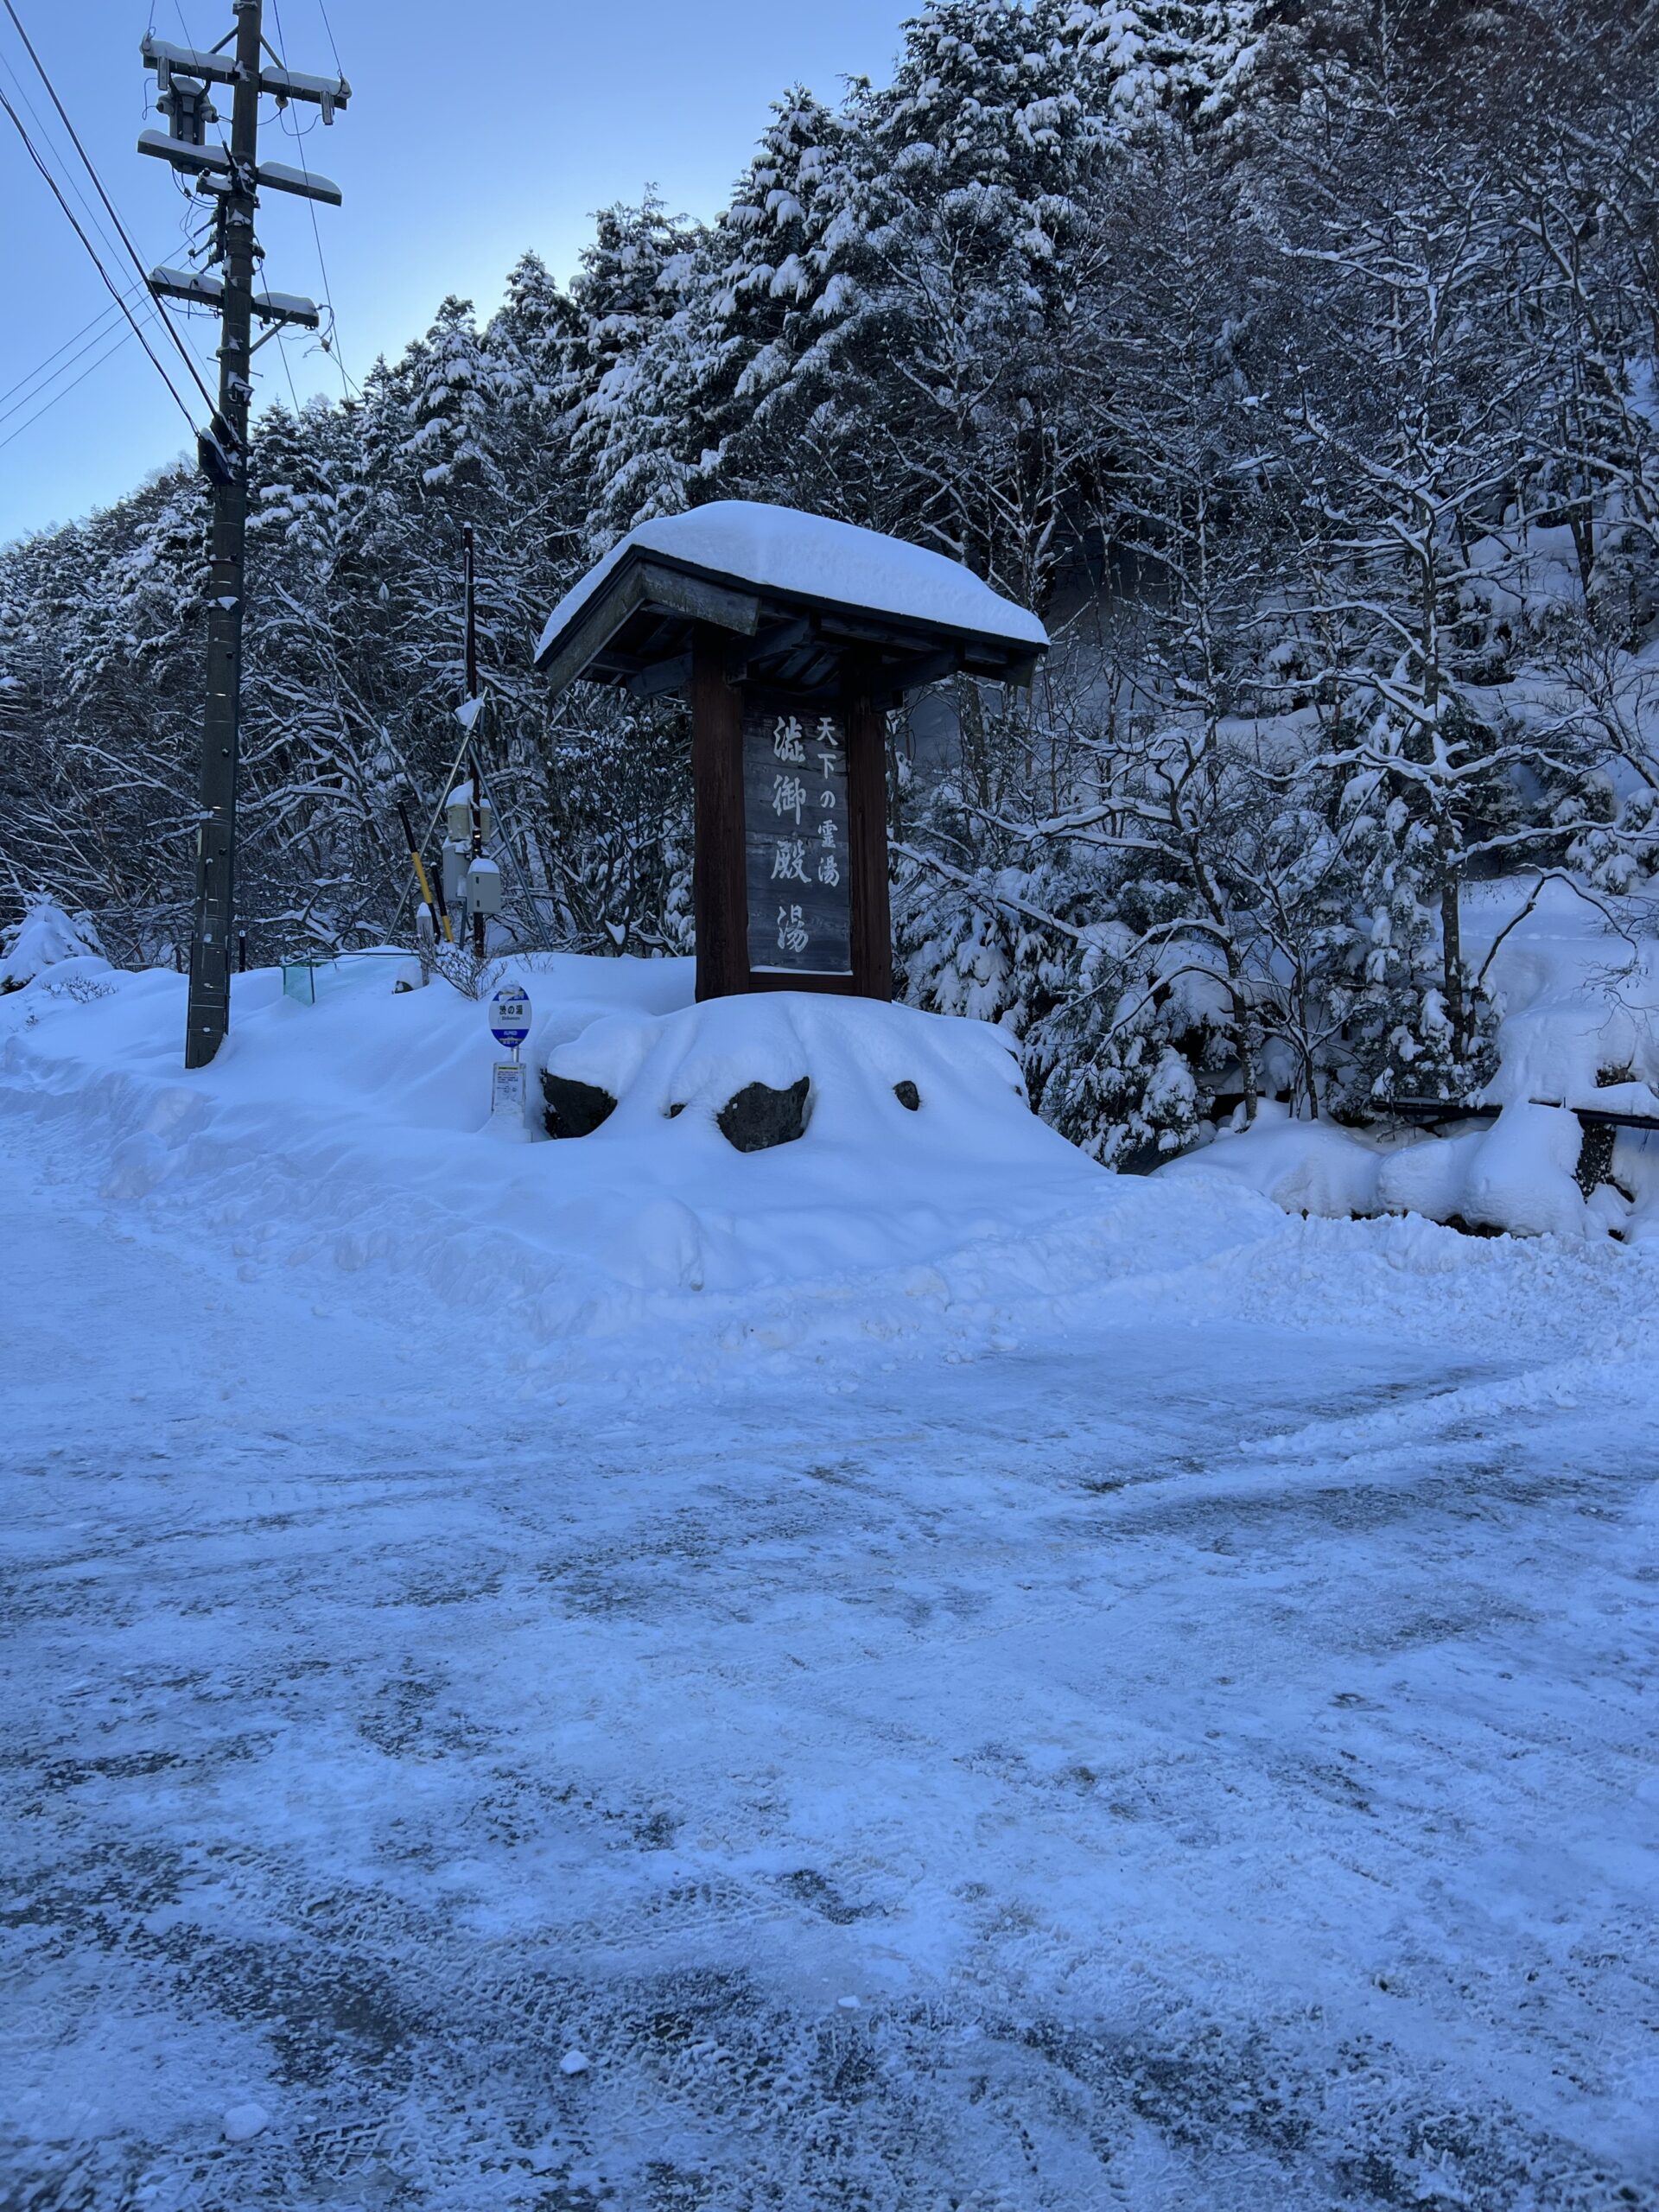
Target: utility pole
230, 176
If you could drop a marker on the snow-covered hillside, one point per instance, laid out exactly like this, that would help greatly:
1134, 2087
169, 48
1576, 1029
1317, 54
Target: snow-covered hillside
1296, 380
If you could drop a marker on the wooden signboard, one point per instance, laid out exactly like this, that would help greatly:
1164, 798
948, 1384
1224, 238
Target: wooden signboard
789, 874
798, 867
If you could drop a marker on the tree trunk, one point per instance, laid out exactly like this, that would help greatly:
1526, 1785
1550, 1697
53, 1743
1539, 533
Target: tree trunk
1452, 959
1243, 1021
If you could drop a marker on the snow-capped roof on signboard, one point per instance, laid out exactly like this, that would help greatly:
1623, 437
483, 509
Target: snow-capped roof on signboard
810, 556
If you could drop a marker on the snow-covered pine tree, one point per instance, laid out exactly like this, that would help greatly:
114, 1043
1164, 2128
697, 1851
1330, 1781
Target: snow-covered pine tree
1179, 499
631, 283
532, 332
1401, 412
1146, 61
457, 384
117, 809
958, 351
777, 303
319, 844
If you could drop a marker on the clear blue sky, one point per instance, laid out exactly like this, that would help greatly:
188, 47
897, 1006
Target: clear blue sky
474, 132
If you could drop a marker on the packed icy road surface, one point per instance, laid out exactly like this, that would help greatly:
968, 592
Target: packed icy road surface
1191, 1753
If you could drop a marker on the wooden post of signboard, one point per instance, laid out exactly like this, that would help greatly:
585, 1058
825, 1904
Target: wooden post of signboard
718, 897
867, 836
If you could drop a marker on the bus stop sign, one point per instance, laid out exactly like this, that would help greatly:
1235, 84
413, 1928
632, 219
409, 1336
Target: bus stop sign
509, 1015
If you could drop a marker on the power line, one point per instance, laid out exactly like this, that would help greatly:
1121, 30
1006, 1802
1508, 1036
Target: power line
132, 252
40, 380
185, 354
287, 370
298, 135
329, 28
121, 337
346, 379
119, 299
103, 316
45, 138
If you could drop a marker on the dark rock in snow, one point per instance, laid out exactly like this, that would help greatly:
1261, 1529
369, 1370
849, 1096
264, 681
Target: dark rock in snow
1595, 1157
758, 1117
907, 1094
574, 1110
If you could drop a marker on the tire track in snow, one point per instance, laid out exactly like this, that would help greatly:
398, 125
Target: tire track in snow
660, 1745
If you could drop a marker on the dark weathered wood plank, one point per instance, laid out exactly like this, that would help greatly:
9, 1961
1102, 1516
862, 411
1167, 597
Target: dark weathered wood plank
718, 896
693, 595
659, 677
596, 627
835, 986
744, 656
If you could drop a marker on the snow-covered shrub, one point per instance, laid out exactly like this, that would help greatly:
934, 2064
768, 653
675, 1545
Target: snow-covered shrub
45, 935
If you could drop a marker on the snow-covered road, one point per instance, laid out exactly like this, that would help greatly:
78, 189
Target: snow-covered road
1182, 1761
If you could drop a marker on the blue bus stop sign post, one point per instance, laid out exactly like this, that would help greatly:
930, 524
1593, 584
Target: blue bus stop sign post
509, 1025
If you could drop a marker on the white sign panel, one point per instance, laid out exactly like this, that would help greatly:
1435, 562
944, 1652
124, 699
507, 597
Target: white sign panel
508, 1091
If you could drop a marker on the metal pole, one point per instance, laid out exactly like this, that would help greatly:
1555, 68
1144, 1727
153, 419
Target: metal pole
472, 755
472, 622
209, 1014
477, 846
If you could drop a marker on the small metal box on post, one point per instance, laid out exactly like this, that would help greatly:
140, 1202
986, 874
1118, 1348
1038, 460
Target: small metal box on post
791, 635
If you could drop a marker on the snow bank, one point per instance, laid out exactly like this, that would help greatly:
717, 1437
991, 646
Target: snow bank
1303, 1166
354, 1133
814, 557
871, 1184
1580, 1028
352, 1136
1515, 1174
1580, 1001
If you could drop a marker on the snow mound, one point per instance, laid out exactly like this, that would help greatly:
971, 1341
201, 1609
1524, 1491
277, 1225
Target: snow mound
1580, 1001
872, 1182
814, 557
1515, 1174
45, 938
673, 1075
354, 1133
1303, 1166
